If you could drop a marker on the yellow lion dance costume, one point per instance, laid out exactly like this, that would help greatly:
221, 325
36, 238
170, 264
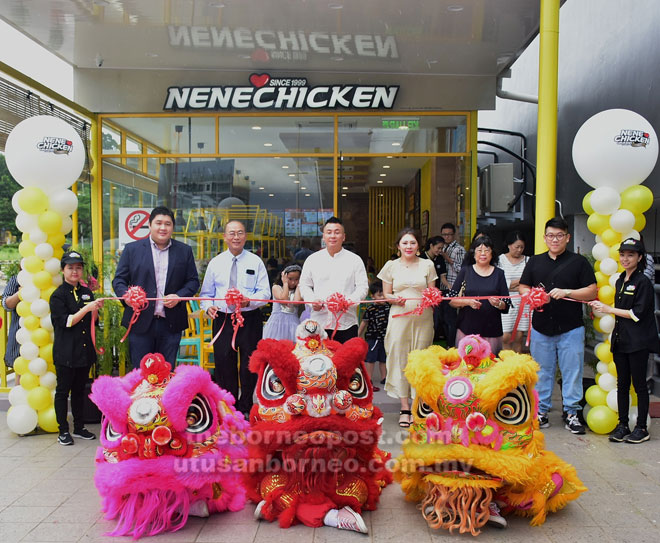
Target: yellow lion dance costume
476, 440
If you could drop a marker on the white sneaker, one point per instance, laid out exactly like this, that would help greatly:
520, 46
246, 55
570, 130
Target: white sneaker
347, 519
257, 510
199, 509
495, 519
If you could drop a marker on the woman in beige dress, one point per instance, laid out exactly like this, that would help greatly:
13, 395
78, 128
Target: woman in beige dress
406, 277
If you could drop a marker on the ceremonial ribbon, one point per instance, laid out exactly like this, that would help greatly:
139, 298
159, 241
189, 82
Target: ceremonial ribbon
535, 298
338, 305
431, 297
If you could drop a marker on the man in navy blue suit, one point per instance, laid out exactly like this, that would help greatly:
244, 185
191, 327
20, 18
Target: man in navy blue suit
164, 268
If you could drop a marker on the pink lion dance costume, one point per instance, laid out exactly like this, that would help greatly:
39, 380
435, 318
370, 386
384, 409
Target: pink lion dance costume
172, 446
314, 455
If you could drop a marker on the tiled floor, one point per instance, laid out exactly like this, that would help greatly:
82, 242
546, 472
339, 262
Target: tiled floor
47, 494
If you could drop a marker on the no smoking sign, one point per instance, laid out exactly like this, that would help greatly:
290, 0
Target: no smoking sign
133, 224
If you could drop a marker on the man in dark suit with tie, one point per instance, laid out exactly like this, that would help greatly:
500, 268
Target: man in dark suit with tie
235, 268
164, 268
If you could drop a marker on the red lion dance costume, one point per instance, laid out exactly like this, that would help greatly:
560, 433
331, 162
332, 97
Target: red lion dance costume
313, 451
172, 446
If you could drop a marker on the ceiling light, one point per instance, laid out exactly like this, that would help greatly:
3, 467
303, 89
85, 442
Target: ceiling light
337, 59
380, 181
292, 175
344, 188
389, 156
383, 175
303, 188
387, 166
308, 194
262, 188
394, 144
344, 194
335, 6
268, 144
277, 157
271, 194
256, 128
151, 55
285, 167
455, 8
296, 182
381, 194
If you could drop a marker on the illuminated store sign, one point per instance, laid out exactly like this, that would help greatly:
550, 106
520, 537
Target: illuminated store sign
283, 45
266, 92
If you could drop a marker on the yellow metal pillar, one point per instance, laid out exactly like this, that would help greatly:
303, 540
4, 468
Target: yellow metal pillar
546, 159
96, 191
74, 219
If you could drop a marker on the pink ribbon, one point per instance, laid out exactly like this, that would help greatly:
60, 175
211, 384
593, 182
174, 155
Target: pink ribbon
431, 297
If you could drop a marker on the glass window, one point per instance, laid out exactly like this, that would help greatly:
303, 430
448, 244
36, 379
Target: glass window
276, 135
402, 134
111, 140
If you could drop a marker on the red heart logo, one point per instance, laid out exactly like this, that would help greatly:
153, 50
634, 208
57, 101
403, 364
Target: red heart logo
259, 80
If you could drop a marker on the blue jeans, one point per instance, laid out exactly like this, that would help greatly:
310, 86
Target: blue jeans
567, 349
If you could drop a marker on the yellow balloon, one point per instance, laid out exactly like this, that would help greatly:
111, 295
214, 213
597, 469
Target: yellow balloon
40, 337
614, 251
51, 367
46, 294
601, 279
23, 309
640, 222
596, 223
597, 377
603, 352
32, 200
42, 280
31, 322
595, 395
633, 395
619, 268
611, 367
47, 420
39, 398
50, 222
597, 325
597, 265
610, 237
637, 199
29, 380
21, 365
57, 253
601, 419
26, 248
606, 294
56, 240
586, 203
33, 264
46, 352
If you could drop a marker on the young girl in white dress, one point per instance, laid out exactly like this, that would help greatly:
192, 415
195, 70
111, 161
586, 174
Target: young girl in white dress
284, 318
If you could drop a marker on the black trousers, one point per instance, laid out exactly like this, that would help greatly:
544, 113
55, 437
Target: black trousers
342, 336
632, 366
70, 381
227, 372
449, 319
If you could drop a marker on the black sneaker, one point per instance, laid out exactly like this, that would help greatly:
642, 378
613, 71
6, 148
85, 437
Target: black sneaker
543, 420
638, 435
65, 439
573, 424
620, 433
84, 434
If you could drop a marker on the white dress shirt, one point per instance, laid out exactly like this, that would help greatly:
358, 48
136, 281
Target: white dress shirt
251, 280
323, 275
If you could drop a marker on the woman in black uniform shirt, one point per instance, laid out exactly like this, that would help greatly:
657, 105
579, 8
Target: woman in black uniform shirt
71, 307
635, 335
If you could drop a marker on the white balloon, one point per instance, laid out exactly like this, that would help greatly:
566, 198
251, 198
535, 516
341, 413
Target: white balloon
26, 222
605, 200
601, 367
598, 238
21, 322
52, 266
67, 225
598, 314
622, 220
14, 202
612, 402
46, 323
632, 234
44, 251
38, 236
29, 351
24, 278
40, 308
65, 202
608, 266
57, 279
607, 324
22, 419
607, 382
30, 293
48, 380
45, 152
632, 417
613, 279
23, 336
38, 366
17, 396
615, 148
600, 251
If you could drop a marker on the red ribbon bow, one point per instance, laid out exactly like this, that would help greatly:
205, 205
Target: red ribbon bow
234, 299
338, 305
431, 297
135, 298
535, 298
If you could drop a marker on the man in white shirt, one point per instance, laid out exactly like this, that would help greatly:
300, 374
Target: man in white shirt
334, 270
235, 268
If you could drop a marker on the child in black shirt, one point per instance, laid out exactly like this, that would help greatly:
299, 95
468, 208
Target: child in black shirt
373, 328
71, 307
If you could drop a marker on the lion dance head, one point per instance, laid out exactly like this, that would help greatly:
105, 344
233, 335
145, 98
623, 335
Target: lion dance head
171, 446
475, 439
314, 432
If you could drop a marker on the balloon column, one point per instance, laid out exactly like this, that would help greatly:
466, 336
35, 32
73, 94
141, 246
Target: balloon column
614, 152
45, 155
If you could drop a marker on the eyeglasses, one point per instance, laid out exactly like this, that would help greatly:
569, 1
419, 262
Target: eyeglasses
237, 234
558, 237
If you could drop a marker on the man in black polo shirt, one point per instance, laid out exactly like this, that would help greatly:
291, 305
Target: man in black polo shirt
558, 330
